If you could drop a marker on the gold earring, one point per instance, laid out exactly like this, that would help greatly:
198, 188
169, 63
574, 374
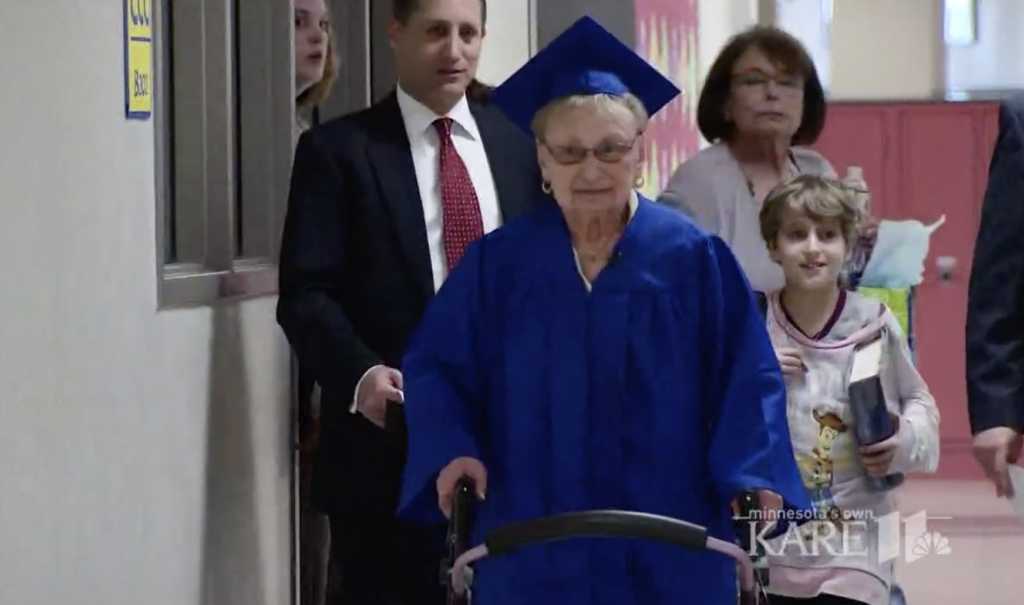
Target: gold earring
546, 187
639, 181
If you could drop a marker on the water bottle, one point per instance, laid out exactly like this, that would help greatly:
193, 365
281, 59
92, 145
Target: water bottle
860, 247
854, 180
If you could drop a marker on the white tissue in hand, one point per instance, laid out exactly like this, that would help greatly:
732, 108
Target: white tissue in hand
897, 259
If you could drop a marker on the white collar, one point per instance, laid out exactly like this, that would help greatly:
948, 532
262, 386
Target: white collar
634, 203
418, 117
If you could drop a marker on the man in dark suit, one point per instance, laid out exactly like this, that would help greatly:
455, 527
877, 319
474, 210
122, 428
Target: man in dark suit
382, 204
995, 309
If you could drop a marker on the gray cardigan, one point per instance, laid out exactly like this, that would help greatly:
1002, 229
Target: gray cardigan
711, 189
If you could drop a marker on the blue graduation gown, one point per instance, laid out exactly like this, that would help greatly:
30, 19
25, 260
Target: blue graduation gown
657, 391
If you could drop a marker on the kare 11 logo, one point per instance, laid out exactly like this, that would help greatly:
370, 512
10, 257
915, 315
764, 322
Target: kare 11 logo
853, 534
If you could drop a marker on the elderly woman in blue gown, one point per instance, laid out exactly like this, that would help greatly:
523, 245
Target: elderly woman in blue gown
602, 352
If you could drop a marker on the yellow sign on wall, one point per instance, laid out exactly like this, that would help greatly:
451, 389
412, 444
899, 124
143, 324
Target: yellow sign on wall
138, 58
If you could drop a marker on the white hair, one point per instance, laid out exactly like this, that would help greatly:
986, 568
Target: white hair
612, 105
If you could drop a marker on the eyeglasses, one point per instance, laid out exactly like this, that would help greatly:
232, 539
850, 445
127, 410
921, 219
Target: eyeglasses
786, 85
609, 152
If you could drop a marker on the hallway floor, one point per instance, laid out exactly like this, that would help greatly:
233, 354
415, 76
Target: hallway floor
986, 545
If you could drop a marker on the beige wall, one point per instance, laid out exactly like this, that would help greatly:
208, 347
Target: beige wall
880, 49
507, 45
886, 49
144, 455
720, 20
993, 62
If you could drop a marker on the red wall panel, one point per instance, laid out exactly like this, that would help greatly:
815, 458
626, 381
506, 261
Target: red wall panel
923, 160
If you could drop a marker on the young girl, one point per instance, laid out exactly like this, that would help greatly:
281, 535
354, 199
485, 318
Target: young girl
815, 325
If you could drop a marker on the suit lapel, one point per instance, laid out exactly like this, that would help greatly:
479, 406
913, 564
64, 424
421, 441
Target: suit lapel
392, 163
509, 176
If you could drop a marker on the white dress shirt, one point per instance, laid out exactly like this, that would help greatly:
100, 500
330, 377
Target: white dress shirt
426, 159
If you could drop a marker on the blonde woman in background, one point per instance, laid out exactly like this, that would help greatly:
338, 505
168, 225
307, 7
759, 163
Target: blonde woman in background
315, 71
315, 61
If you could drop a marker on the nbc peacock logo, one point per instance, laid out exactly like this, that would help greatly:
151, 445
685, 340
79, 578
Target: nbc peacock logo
932, 543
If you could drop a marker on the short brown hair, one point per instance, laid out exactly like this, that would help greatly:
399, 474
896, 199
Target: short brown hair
403, 9
318, 93
820, 197
781, 48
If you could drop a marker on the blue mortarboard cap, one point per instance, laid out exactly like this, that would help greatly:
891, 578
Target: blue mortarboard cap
585, 59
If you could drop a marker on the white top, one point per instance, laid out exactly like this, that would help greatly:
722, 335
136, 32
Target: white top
425, 147
847, 556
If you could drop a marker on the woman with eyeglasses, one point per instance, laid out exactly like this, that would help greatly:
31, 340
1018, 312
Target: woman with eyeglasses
761, 101
600, 352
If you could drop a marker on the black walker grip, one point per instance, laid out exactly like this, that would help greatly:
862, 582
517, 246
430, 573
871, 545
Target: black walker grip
597, 524
460, 525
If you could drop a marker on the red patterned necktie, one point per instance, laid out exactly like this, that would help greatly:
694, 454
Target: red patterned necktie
462, 223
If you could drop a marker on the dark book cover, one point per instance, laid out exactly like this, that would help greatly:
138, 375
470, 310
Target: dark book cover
872, 420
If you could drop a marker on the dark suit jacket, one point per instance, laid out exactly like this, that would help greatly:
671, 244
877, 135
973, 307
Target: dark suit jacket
995, 309
355, 277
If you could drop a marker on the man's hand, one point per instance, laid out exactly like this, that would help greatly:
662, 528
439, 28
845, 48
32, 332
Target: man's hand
449, 477
995, 449
380, 385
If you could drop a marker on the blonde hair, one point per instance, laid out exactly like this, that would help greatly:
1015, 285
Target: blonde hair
318, 93
820, 197
599, 103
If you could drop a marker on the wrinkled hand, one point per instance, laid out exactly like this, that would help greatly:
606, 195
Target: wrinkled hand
449, 477
770, 503
381, 385
790, 361
995, 449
